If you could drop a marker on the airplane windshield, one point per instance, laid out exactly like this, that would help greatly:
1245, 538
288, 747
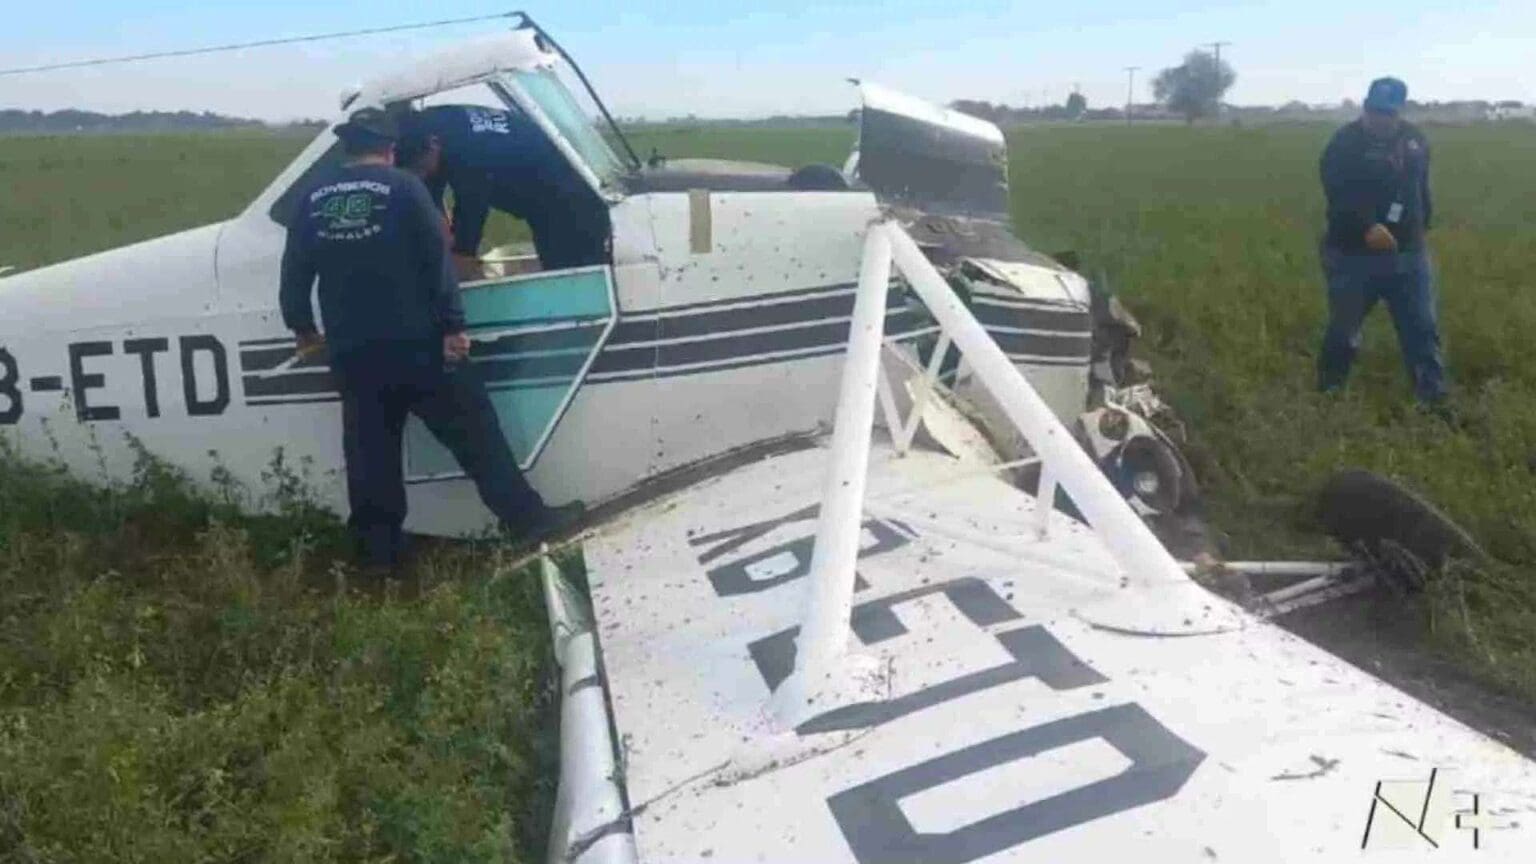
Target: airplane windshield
545, 88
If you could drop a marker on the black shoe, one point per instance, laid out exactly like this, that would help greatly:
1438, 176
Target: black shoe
549, 522
379, 551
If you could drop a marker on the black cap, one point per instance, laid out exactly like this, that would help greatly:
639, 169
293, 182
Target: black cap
415, 137
368, 124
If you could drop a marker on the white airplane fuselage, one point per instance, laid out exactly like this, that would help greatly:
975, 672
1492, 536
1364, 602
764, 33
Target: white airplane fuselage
715, 342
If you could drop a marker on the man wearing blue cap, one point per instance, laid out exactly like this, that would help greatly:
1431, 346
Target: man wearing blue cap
1375, 174
495, 159
370, 235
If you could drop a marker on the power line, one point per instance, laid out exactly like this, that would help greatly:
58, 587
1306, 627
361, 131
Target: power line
263, 43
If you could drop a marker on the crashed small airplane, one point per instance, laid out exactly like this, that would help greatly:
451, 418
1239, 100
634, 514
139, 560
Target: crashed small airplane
826, 621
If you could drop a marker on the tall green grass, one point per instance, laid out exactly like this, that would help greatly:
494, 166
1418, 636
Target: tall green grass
791, 147
70, 196
1210, 235
179, 682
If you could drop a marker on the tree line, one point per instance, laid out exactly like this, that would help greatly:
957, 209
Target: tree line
74, 121
1192, 90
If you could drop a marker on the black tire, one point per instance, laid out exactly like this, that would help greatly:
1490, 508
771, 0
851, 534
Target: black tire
817, 178
1373, 515
1189, 486
1144, 457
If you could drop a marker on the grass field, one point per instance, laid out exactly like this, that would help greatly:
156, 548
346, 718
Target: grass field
179, 682
182, 683
1208, 234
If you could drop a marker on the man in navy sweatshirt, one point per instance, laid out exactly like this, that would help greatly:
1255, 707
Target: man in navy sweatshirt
1375, 173
370, 235
492, 158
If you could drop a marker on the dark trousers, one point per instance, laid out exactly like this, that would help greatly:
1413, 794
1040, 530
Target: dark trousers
1405, 281
380, 386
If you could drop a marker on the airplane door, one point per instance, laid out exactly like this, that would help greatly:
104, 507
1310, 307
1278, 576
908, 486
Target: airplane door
534, 339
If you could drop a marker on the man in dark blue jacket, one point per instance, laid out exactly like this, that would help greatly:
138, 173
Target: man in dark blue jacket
1375, 174
394, 329
496, 159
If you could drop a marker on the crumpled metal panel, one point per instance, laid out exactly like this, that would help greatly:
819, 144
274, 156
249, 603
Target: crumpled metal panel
937, 160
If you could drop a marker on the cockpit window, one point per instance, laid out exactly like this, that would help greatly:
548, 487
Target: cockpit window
544, 87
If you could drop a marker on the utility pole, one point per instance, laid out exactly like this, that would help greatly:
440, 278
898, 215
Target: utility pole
1216, 46
1130, 90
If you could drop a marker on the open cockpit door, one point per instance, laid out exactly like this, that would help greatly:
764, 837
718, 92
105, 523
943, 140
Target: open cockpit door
534, 339
931, 159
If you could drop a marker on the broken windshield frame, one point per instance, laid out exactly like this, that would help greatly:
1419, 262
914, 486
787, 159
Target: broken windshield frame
542, 38
544, 89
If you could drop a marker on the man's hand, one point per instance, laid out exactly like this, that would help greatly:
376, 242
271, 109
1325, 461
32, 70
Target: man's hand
1379, 239
468, 267
455, 347
310, 344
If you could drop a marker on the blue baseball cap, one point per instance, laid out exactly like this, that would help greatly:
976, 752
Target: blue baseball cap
1386, 96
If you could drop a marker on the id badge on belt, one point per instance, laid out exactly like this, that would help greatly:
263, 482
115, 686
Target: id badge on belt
1395, 212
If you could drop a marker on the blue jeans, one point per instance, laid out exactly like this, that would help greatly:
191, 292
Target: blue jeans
1406, 283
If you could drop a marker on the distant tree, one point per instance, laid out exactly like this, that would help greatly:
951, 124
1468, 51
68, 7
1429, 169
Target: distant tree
1077, 105
1194, 88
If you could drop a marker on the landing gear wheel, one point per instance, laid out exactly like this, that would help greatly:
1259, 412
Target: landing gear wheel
1399, 532
1189, 487
1151, 474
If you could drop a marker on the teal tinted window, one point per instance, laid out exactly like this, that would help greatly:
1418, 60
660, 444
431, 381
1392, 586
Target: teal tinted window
534, 338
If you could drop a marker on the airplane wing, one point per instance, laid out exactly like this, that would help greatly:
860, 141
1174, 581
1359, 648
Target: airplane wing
1008, 725
1016, 685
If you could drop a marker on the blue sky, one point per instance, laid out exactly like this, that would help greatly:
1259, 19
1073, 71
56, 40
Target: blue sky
719, 58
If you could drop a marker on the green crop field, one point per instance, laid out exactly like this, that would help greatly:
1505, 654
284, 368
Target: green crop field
1210, 235
150, 713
